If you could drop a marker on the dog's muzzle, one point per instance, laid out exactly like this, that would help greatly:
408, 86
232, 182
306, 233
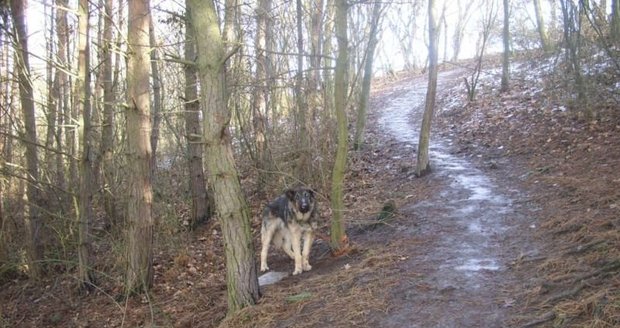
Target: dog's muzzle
304, 208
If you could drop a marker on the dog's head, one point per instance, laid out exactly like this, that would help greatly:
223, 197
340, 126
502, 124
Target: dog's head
302, 199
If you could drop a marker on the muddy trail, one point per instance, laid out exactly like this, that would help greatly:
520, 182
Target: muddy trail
471, 227
445, 261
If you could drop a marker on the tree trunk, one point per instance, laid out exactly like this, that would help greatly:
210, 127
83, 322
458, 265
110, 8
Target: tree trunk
82, 89
139, 276
107, 130
506, 55
232, 209
572, 34
261, 93
303, 164
26, 95
200, 203
463, 18
615, 20
423, 166
338, 234
360, 123
157, 97
542, 31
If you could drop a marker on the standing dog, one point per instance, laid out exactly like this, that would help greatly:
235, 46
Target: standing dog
286, 221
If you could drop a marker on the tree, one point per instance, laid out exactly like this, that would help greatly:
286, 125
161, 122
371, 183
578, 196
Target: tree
231, 206
32, 213
200, 203
156, 104
615, 20
261, 91
540, 23
506, 54
571, 14
338, 234
487, 20
360, 123
139, 276
464, 14
303, 164
107, 129
83, 91
422, 165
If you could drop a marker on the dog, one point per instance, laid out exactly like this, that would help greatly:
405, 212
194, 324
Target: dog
287, 221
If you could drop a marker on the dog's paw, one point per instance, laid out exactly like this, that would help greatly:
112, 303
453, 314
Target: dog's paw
307, 267
297, 271
264, 268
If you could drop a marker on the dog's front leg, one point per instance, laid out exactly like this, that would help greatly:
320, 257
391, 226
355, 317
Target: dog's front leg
266, 236
308, 239
296, 243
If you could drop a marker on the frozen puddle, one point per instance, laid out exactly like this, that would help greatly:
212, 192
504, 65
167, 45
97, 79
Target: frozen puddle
465, 221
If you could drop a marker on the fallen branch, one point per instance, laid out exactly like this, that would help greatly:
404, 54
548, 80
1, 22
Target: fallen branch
584, 248
565, 294
540, 320
612, 266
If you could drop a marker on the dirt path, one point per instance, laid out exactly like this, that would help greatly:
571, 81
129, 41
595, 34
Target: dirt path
472, 230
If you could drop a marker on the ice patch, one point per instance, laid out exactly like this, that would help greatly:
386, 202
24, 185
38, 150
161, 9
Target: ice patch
271, 277
478, 265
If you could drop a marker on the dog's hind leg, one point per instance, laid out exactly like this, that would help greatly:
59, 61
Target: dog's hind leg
285, 243
308, 239
266, 234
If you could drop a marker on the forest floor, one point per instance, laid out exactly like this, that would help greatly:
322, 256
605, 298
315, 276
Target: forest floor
517, 225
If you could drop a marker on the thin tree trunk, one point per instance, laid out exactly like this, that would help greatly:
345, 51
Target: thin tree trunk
26, 95
261, 93
360, 124
506, 54
139, 276
303, 164
572, 35
200, 202
82, 89
542, 31
232, 209
107, 130
615, 20
423, 166
338, 235
157, 97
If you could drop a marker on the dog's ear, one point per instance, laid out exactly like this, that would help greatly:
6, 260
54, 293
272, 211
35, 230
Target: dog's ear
290, 194
312, 192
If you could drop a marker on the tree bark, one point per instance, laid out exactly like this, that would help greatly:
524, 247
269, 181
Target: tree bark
231, 206
32, 213
506, 54
82, 89
139, 276
423, 166
338, 234
201, 207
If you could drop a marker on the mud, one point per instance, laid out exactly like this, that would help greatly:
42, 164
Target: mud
472, 231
